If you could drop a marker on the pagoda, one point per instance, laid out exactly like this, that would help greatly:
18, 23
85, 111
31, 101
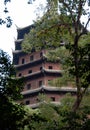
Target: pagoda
37, 71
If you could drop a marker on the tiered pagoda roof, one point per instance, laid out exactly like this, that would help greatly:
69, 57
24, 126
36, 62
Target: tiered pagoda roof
40, 73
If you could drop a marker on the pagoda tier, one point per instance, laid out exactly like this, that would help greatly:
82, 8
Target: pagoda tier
31, 97
37, 72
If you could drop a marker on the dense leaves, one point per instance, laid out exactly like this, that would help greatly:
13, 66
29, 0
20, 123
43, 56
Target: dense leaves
61, 25
47, 117
11, 114
60, 117
9, 85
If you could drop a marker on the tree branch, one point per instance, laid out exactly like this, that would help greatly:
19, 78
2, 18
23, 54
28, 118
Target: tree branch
70, 11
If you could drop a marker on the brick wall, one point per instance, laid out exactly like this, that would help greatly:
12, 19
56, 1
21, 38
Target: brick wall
36, 55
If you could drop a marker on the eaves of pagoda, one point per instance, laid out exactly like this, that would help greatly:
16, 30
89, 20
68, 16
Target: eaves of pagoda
18, 40
43, 73
48, 90
45, 89
36, 105
29, 64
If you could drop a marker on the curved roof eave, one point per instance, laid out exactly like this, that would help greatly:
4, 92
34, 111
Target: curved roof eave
31, 91
50, 88
25, 64
18, 40
36, 105
22, 28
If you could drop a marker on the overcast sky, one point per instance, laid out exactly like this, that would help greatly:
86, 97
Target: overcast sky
22, 15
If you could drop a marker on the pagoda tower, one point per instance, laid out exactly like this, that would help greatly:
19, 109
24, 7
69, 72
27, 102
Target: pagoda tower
37, 71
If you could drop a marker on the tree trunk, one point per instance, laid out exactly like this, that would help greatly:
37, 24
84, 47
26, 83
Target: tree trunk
79, 94
77, 102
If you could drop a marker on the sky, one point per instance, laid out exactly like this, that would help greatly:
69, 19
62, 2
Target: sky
22, 15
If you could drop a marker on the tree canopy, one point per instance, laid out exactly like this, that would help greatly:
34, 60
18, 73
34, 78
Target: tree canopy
50, 116
12, 114
9, 85
61, 23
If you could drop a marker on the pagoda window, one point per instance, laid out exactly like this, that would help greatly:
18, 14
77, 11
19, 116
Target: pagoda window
41, 68
23, 61
40, 83
37, 99
28, 86
19, 74
49, 81
30, 71
52, 98
31, 58
27, 102
50, 67
41, 54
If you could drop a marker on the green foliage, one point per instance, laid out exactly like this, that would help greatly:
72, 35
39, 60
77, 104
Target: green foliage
61, 22
9, 85
45, 119
43, 98
59, 117
85, 103
66, 80
57, 24
12, 115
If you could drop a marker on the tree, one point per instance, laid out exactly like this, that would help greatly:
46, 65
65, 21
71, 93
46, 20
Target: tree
49, 116
61, 22
9, 85
8, 20
12, 114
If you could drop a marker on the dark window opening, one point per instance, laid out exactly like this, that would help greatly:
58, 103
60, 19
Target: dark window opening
41, 68
50, 67
30, 71
40, 83
27, 102
49, 81
28, 86
23, 61
52, 98
38, 99
41, 54
19, 74
31, 58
